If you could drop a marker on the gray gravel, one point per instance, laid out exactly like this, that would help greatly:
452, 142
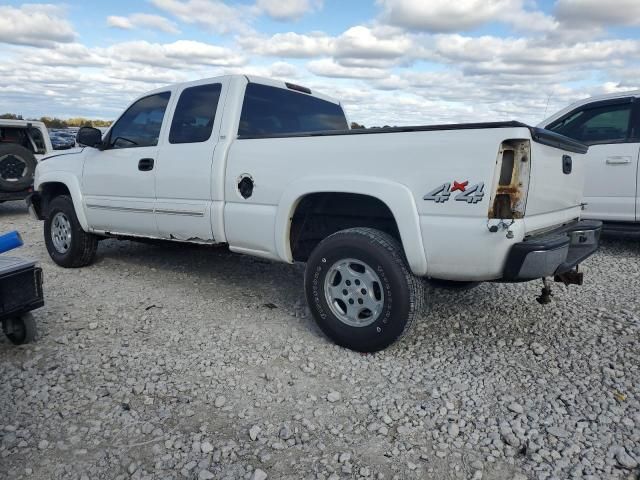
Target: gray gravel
164, 361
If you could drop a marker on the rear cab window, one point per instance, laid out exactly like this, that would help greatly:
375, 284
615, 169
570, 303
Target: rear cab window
268, 110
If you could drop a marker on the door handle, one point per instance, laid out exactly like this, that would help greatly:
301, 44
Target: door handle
145, 164
618, 160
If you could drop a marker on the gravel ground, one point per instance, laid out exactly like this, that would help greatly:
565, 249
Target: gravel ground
186, 362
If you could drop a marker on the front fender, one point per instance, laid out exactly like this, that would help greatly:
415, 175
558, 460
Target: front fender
396, 196
73, 185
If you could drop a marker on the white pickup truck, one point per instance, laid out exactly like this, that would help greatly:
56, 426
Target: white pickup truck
610, 125
272, 170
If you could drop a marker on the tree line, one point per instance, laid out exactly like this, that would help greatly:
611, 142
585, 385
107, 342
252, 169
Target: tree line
54, 122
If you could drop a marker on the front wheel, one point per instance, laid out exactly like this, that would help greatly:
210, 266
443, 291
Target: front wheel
360, 289
67, 243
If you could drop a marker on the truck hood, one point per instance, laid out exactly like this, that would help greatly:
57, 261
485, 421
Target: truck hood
63, 153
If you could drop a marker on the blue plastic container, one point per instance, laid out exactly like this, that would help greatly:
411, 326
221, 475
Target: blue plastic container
9, 241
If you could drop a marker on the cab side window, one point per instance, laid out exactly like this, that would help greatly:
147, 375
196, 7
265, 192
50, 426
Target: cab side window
195, 113
140, 125
603, 124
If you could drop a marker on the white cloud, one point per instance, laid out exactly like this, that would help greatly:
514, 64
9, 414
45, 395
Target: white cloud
357, 44
144, 20
530, 21
38, 25
495, 55
214, 15
285, 10
290, 44
598, 12
364, 42
174, 55
326, 67
68, 55
444, 15
279, 70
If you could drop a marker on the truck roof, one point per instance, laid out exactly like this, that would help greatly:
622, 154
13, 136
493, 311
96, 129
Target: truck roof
252, 79
584, 101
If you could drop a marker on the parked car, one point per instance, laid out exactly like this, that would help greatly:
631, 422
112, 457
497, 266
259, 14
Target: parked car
22, 144
272, 170
610, 125
63, 139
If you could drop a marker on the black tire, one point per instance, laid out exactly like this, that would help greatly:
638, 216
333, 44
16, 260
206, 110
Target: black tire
80, 246
17, 166
452, 284
20, 330
400, 293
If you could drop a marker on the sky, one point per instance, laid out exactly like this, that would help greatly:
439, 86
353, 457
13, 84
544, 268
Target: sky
390, 62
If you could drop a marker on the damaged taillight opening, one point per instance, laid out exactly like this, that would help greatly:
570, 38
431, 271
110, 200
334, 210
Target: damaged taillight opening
512, 180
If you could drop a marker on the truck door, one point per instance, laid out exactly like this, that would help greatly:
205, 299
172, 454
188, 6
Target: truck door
612, 160
184, 182
119, 181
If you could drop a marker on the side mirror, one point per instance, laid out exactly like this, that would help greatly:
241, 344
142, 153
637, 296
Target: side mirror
89, 137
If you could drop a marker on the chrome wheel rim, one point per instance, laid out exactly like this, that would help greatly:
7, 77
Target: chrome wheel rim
354, 292
61, 232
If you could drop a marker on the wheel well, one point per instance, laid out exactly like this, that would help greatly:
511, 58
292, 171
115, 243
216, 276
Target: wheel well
319, 215
49, 191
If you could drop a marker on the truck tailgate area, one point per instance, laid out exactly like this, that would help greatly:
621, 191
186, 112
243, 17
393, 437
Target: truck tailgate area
557, 180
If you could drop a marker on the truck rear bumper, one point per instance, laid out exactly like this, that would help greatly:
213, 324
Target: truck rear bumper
552, 253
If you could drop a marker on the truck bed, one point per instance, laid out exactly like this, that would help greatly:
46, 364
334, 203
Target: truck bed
539, 135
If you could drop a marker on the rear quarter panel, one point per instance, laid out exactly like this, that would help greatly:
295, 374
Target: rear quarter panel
416, 162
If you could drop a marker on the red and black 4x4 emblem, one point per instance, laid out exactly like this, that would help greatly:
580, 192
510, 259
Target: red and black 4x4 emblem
468, 193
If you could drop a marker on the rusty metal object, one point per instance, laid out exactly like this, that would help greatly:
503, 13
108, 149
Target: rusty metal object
510, 192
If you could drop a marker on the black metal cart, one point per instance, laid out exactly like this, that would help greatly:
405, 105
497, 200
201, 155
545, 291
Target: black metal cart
20, 293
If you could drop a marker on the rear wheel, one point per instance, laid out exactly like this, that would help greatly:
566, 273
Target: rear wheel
68, 245
360, 289
17, 166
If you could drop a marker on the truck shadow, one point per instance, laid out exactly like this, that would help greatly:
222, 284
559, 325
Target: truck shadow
261, 285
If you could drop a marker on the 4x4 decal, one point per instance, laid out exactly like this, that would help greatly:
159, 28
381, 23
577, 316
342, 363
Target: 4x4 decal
469, 194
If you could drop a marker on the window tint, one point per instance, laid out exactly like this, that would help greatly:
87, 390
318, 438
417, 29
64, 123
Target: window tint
608, 123
140, 125
195, 113
270, 110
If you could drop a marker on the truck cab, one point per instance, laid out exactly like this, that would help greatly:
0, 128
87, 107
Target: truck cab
610, 125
